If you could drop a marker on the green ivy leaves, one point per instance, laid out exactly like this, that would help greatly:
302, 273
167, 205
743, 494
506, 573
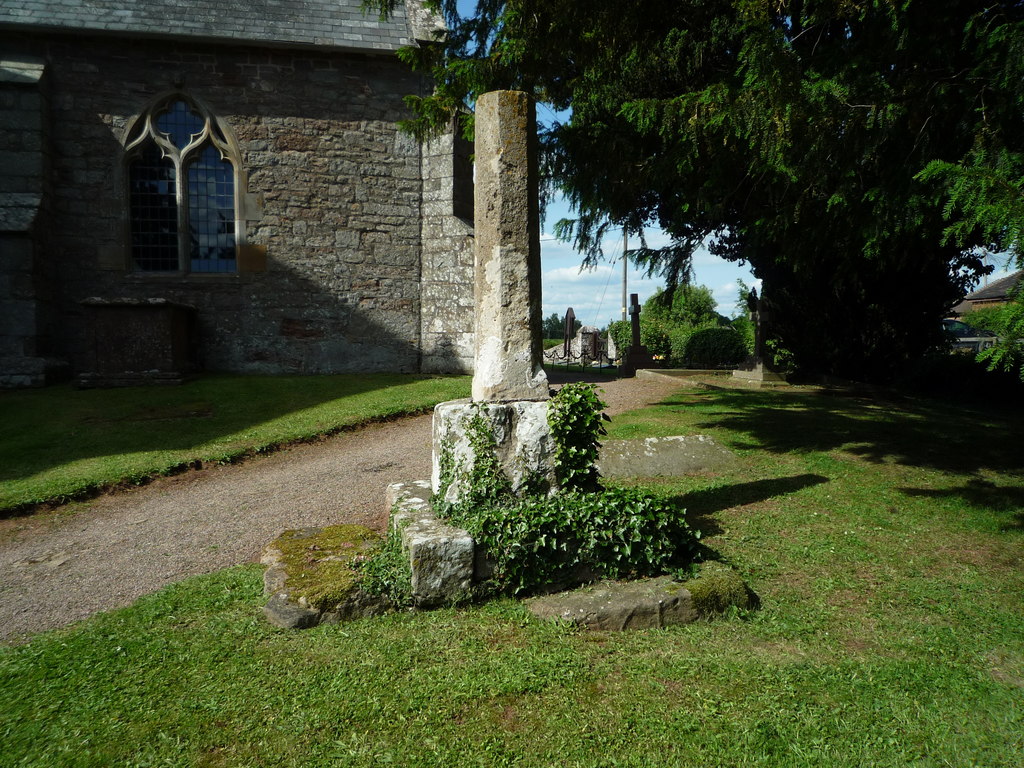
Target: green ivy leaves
575, 416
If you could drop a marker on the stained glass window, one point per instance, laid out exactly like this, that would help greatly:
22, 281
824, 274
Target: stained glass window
181, 194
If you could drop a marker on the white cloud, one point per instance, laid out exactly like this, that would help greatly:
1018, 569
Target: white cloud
596, 294
600, 273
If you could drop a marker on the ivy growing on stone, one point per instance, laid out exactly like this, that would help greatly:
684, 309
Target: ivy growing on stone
536, 543
538, 540
576, 418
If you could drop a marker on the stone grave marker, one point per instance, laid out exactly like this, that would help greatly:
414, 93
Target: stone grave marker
754, 369
637, 356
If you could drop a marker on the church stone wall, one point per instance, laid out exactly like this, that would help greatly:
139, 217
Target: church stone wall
330, 277
447, 287
24, 175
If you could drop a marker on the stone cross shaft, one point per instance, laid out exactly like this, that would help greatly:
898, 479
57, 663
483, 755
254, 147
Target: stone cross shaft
508, 352
634, 319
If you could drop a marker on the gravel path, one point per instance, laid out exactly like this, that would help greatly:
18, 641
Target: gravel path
62, 566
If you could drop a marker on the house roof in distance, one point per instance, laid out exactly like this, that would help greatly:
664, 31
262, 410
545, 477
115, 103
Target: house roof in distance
996, 290
319, 23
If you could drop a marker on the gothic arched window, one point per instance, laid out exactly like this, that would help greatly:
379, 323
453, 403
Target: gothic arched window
182, 171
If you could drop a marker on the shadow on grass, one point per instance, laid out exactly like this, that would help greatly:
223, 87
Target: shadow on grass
702, 505
982, 494
947, 438
128, 434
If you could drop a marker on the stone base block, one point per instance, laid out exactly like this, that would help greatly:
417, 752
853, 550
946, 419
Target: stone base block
289, 608
441, 557
635, 360
522, 442
756, 372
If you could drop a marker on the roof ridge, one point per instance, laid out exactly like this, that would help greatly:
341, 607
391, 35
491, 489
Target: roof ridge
340, 24
997, 288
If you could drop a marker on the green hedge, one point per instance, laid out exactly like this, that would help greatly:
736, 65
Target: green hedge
713, 348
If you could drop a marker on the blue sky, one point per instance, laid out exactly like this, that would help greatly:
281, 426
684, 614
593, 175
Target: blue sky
596, 294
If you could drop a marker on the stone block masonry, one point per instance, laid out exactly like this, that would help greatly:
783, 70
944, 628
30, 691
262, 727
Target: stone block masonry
523, 445
25, 164
349, 264
446, 296
441, 557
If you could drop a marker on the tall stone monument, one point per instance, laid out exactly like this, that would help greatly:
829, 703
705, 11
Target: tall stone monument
507, 251
510, 388
637, 355
754, 369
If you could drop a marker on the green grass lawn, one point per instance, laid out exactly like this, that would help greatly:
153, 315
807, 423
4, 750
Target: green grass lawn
59, 442
885, 540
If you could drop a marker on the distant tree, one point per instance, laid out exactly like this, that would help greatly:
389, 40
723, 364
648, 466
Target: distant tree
742, 296
695, 305
553, 326
987, 318
692, 305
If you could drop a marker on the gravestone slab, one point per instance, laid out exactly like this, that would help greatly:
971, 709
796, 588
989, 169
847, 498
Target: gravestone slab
647, 603
637, 355
620, 605
672, 456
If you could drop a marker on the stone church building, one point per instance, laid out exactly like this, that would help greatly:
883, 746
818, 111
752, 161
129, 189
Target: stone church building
225, 182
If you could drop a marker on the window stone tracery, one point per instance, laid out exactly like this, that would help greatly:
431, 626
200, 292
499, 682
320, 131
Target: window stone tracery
182, 172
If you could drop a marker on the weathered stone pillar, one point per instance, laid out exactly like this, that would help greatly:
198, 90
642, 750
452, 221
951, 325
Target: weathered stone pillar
508, 351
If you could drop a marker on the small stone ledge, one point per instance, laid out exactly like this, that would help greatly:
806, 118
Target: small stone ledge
646, 603
20, 372
441, 557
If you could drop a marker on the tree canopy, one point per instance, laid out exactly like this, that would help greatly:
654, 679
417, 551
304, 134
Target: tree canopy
855, 153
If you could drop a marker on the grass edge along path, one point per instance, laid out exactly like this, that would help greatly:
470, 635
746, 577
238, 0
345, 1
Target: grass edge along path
884, 540
59, 444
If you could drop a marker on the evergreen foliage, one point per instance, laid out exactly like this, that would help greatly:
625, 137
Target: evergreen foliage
714, 348
854, 152
986, 318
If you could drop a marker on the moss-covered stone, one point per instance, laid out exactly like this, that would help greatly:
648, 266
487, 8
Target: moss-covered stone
320, 562
715, 588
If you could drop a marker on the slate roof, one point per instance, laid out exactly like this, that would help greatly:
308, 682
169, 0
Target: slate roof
997, 289
321, 23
